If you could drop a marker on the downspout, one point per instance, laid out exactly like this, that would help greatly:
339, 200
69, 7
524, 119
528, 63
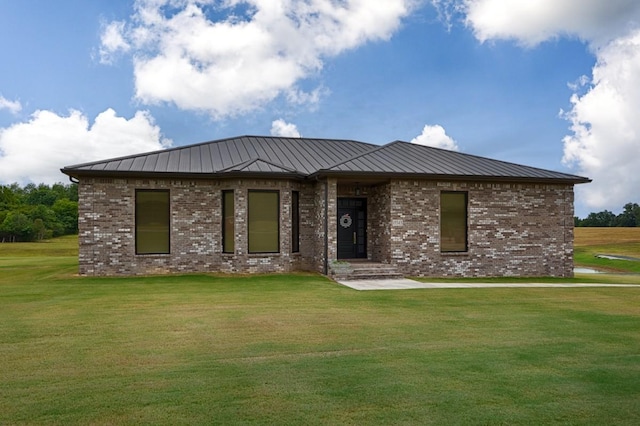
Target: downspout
325, 267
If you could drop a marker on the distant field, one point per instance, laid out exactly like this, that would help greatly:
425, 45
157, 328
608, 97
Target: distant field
618, 241
606, 236
63, 246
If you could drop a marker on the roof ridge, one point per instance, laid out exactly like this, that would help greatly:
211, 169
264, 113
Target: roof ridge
253, 160
211, 142
371, 151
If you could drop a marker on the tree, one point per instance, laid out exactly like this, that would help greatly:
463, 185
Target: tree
37, 211
630, 215
603, 218
48, 217
17, 227
8, 198
66, 212
40, 231
39, 195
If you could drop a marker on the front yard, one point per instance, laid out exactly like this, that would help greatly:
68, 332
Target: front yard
300, 349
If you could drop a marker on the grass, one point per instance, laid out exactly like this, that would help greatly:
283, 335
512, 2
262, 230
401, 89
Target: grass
617, 241
300, 349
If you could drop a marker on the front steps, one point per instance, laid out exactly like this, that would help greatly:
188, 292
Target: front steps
345, 270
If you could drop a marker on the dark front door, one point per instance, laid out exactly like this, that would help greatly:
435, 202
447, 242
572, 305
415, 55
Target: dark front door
352, 228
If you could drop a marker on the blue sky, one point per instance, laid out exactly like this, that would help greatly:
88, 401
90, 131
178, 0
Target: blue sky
544, 83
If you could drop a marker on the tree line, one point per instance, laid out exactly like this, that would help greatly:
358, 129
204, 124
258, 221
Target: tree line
37, 212
629, 217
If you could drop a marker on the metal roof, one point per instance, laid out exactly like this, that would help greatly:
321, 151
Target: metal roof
306, 157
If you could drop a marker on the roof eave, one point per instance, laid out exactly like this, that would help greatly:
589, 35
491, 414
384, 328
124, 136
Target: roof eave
570, 179
78, 174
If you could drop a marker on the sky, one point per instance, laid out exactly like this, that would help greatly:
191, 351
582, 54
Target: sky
553, 84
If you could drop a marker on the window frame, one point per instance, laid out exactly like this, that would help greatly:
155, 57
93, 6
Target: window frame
228, 238
268, 191
465, 194
136, 222
295, 221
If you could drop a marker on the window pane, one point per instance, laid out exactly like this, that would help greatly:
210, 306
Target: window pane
152, 222
228, 222
295, 221
264, 222
453, 221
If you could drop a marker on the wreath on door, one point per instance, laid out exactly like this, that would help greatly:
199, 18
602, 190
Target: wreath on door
345, 220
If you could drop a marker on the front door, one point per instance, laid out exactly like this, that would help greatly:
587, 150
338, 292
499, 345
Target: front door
352, 228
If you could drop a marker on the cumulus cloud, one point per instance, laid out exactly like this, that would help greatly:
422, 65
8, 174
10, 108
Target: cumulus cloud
435, 136
532, 22
231, 57
112, 41
34, 151
282, 128
13, 106
604, 143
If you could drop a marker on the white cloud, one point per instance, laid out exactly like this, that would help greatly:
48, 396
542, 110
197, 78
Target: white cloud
13, 106
605, 140
533, 21
241, 61
34, 151
112, 41
435, 136
605, 144
282, 128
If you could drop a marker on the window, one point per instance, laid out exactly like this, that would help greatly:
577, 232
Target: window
453, 221
264, 221
152, 221
295, 221
228, 222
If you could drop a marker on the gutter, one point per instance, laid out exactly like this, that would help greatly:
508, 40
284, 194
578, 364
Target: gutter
572, 179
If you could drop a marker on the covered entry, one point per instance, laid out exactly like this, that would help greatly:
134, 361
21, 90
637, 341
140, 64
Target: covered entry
352, 228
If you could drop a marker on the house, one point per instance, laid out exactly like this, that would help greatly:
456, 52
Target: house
271, 204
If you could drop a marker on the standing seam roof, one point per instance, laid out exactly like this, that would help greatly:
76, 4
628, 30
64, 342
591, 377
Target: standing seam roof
306, 156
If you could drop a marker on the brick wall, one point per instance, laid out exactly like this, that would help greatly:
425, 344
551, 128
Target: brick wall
514, 229
107, 228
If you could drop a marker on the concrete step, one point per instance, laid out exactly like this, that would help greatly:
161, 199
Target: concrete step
360, 270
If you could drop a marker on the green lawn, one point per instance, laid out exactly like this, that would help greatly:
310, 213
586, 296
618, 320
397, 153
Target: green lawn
590, 242
300, 349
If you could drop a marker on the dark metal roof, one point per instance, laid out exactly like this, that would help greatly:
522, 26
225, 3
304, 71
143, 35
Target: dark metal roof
402, 158
304, 157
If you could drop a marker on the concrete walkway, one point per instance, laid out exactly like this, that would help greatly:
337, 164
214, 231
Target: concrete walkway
407, 284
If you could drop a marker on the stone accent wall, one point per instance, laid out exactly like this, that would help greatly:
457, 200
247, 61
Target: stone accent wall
513, 230
107, 228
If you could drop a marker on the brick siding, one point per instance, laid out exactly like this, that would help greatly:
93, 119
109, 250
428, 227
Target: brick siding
514, 229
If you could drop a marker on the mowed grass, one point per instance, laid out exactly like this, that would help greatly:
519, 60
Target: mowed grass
617, 241
300, 349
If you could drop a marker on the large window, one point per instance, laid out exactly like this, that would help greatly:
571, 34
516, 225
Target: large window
264, 221
295, 221
228, 222
152, 221
453, 221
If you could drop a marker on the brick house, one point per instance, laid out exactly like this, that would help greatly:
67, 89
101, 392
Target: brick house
269, 204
